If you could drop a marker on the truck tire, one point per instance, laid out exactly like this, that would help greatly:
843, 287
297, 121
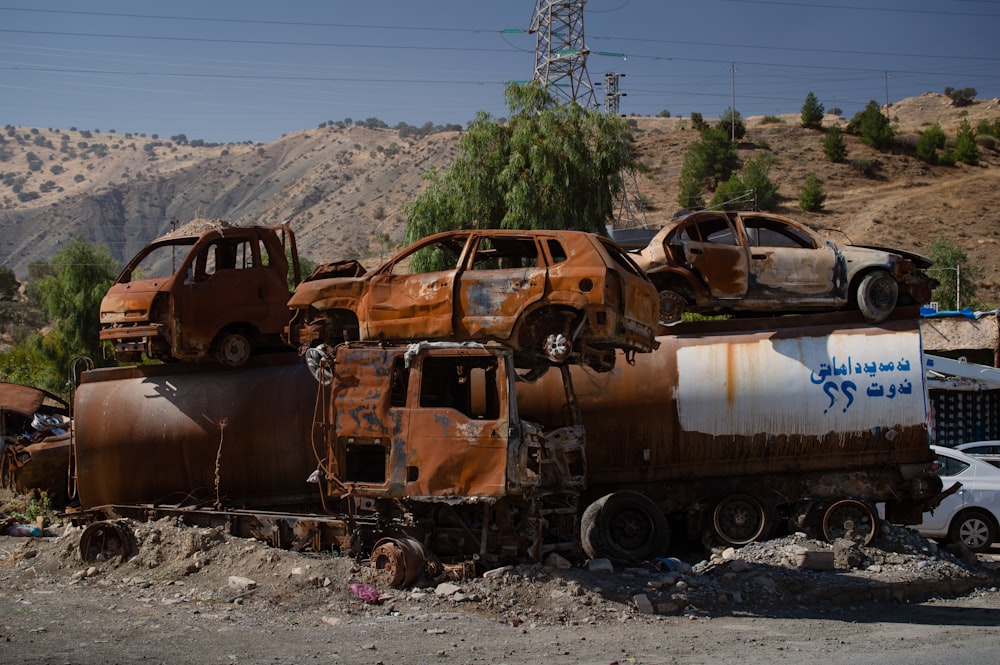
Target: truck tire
624, 526
739, 519
877, 296
851, 519
974, 529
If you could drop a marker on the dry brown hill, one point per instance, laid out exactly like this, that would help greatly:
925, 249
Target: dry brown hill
343, 189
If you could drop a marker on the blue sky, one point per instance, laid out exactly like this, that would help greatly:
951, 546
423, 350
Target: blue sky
227, 71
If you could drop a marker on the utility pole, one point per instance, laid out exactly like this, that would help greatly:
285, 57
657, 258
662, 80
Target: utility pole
732, 78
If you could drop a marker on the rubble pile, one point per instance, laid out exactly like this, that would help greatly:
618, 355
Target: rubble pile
180, 564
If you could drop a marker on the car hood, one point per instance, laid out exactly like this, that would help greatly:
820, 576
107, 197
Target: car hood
919, 260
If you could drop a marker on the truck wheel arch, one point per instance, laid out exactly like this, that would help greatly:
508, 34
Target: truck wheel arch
624, 526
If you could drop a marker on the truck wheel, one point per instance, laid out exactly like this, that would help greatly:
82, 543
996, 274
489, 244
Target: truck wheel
672, 306
877, 295
851, 519
739, 519
974, 529
624, 526
233, 349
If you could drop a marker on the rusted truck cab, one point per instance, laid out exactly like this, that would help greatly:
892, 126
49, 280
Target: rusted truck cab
197, 293
428, 438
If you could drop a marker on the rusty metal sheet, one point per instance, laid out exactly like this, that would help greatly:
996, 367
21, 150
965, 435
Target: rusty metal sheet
27, 400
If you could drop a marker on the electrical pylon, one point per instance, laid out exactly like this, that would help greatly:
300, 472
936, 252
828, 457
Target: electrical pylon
560, 51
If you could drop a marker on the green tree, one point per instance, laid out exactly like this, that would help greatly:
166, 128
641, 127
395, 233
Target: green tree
550, 165
732, 123
962, 97
812, 198
956, 277
751, 187
966, 149
931, 140
812, 112
872, 127
8, 283
708, 162
833, 145
71, 295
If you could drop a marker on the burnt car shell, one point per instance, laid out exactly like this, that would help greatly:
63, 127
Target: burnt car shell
521, 288
34, 441
222, 290
748, 261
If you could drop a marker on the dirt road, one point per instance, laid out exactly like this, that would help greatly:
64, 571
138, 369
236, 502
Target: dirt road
194, 595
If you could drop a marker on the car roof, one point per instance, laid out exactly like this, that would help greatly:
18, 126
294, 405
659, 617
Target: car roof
976, 444
982, 468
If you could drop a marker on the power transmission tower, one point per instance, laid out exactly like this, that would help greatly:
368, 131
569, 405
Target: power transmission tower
631, 212
560, 52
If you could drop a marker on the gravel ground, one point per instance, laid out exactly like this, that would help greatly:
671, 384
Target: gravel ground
196, 595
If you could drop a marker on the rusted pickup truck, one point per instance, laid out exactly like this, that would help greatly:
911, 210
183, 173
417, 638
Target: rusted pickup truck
552, 296
207, 290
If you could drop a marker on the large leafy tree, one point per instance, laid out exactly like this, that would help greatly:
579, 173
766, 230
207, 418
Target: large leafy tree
72, 293
550, 165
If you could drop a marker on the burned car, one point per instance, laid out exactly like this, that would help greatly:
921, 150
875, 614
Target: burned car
561, 296
717, 261
207, 290
34, 441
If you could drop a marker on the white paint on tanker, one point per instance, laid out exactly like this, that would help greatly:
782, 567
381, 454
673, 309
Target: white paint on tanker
807, 386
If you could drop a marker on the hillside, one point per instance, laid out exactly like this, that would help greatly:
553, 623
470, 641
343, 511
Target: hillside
342, 189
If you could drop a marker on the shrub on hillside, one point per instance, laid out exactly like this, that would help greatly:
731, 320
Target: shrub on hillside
872, 127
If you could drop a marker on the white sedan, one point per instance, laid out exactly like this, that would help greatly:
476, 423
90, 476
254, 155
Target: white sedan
972, 514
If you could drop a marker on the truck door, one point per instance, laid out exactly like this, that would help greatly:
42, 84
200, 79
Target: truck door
456, 443
226, 286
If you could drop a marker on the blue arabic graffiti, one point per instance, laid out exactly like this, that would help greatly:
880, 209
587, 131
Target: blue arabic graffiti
832, 387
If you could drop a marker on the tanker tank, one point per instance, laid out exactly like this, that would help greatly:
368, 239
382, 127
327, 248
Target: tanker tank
201, 434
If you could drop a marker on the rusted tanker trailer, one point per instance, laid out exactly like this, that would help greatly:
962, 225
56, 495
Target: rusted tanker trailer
732, 429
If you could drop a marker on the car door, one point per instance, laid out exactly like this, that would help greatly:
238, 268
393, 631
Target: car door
412, 297
788, 264
709, 245
503, 275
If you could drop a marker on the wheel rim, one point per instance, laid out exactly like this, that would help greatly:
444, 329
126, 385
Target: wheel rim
671, 307
739, 519
974, 533
849, 519
630, 530
234, 350
883, 293
106, 541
